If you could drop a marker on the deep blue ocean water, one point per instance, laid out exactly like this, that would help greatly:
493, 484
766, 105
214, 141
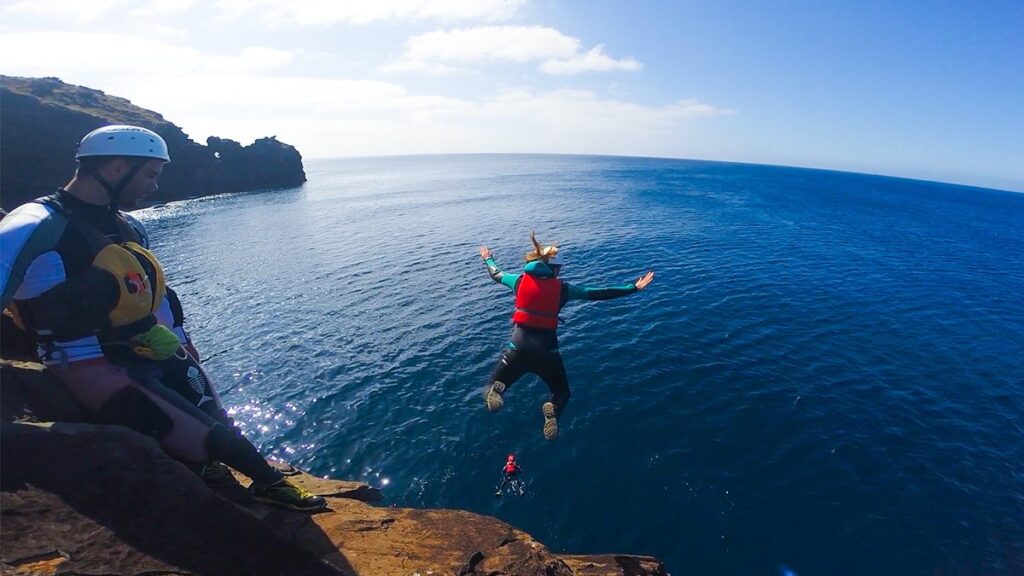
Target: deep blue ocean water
826, 375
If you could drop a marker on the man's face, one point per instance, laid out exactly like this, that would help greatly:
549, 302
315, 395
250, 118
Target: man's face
144, 182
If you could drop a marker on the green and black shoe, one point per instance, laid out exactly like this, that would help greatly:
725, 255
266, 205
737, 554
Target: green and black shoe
285, 494
214, 471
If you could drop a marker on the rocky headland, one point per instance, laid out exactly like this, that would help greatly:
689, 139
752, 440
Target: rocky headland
43, 119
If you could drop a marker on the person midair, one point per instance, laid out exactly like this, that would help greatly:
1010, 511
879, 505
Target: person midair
539, 295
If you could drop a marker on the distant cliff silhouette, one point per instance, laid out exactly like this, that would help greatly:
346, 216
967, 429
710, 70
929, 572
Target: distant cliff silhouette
42, 120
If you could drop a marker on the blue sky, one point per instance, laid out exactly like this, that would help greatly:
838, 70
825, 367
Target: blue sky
930, 90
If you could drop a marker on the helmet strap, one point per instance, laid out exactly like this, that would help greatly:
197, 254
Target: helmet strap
114, 192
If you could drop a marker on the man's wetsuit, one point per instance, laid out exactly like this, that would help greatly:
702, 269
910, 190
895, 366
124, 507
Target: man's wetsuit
535, 349
46, 253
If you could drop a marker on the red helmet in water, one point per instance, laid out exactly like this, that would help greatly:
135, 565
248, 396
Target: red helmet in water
511, 457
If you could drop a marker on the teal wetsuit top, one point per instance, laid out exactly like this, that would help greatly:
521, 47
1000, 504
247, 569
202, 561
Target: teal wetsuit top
569, 291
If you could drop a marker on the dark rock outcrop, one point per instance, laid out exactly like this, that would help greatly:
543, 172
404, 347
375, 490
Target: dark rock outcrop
42, 120
266, 163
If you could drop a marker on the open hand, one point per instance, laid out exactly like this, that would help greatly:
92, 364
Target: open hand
644, 280
485, 252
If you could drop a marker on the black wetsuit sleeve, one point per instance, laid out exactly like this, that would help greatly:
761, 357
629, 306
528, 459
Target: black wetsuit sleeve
570, 292
176, 310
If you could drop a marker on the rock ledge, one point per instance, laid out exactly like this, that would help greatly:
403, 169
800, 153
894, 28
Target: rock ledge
84, 499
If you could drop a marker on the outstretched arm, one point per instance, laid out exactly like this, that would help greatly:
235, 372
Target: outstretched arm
609, 292
496, 274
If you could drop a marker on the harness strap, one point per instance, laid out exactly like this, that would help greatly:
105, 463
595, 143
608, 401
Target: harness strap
537, 312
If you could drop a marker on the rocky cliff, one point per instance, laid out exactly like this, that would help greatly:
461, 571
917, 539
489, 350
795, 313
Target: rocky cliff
42, 120
77, 498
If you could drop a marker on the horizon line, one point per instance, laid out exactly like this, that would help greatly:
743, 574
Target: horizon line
674, 158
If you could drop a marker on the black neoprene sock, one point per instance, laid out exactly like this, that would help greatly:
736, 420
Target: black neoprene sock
230, 447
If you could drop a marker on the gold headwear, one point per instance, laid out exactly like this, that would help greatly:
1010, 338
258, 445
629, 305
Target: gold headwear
539, 252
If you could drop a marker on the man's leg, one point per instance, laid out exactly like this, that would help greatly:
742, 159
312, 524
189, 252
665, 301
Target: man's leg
135, 397
188, 379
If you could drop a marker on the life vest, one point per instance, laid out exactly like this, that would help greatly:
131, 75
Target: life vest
511, 468
537, 302
114, 298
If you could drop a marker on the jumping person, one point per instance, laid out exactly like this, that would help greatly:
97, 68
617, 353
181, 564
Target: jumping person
539, 296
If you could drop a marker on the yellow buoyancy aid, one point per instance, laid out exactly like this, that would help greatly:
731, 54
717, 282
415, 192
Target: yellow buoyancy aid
118, 293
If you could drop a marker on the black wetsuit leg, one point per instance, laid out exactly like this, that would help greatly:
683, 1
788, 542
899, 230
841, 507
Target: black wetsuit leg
187, 378
510, 367
535, 351
224, 441
551, 370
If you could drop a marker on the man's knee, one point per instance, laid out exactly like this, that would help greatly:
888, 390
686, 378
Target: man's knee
223, 439
132, 408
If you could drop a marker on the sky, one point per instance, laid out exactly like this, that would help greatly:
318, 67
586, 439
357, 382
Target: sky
920, 89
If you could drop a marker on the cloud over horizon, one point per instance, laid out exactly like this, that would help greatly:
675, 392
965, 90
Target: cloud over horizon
244, 91
559, 54
74, 54
339, 117
361, 13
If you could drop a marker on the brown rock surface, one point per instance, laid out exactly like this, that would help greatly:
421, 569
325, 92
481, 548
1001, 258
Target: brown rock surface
85, 499
108, 501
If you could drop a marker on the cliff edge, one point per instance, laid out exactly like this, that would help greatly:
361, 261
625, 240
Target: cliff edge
43, 120
77, 498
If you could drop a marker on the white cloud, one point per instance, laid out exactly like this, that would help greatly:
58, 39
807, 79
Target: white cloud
169, 33
256, 57
593, 61
514, 43
582, 114
72, 55
361, 12
338, 117
160, 8
246, 94
76, 10
273, 98
420, 67
559, 53
265, 12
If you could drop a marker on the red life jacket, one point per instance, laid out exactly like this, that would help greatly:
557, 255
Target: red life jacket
537, 302
511, 468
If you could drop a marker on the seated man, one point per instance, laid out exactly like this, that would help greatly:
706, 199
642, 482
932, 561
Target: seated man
77, 275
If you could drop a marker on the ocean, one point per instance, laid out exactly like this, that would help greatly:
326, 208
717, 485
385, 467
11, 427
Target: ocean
825, 377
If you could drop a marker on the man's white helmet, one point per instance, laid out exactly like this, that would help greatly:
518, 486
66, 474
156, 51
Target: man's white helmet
120, 140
